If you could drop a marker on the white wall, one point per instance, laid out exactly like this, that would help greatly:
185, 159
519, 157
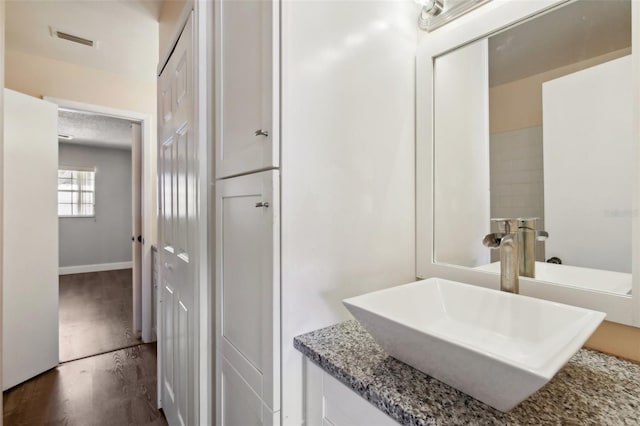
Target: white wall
588, 215
106, 238
461, 150
347, 165
173, 15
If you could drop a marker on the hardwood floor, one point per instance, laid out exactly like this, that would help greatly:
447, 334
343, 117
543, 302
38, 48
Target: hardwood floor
117, 388
96, 312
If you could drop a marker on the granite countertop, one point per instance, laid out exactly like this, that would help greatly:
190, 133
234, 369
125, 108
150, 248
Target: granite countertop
592, 389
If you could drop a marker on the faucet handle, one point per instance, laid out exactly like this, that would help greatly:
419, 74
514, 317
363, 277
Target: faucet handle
528, 222
506, 225
541, 235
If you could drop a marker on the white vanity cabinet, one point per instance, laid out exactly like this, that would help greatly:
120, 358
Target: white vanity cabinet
248, 304
330, 403
248, 39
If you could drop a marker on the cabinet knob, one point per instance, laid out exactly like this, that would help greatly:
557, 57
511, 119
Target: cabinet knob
261, 132
263, 204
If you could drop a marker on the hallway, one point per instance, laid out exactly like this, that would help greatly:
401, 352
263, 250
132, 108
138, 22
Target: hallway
116, 388
96, 312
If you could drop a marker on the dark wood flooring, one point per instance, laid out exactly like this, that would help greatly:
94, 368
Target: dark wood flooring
96, 312
117, 388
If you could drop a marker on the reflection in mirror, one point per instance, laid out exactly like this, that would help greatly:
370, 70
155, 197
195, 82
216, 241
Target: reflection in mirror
535, 121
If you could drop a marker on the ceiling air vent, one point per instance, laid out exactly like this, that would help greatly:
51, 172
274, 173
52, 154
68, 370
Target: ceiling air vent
73, 38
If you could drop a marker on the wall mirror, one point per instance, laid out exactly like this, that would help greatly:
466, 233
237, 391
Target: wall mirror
527, 111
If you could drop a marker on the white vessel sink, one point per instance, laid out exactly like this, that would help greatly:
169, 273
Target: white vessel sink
494, 346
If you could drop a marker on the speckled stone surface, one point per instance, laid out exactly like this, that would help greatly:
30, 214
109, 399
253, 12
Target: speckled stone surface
592, 389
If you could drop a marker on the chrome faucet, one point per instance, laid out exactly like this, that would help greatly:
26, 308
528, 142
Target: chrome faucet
527, 237
507, 242
516, 241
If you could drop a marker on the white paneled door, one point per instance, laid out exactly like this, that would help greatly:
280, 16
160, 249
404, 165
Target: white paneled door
177, 249
30, 305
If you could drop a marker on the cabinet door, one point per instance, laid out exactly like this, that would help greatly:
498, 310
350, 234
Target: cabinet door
247, 78
248, 284
331, 403
240, 404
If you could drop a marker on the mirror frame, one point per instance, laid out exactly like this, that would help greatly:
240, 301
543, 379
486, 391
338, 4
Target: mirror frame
479, 24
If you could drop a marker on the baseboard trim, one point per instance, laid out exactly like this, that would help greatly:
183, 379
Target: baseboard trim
81, 269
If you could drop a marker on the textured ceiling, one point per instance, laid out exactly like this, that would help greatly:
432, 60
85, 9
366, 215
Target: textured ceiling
94, 130
572, 33
126, 32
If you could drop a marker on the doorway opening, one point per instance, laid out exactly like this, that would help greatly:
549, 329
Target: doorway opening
96, 216
105, 275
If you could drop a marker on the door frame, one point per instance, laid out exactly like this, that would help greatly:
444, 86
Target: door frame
2, 64
203, 55
145, 121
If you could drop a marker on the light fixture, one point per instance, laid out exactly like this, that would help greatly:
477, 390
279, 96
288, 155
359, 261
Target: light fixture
436, 13
430, 8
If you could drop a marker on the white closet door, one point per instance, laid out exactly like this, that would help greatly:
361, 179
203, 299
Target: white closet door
247, 86
177, 248
248, 293
30, 302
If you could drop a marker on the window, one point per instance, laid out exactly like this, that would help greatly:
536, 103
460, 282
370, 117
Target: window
76, 192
